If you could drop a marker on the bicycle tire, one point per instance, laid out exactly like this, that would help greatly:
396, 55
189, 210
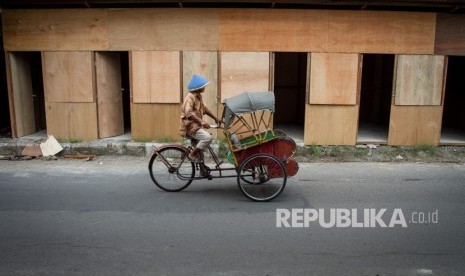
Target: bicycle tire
170, 170
261, 177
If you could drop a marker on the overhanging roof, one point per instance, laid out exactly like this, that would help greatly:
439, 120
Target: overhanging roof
449, 6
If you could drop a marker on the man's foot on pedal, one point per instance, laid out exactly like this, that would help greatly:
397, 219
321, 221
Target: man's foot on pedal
194, 159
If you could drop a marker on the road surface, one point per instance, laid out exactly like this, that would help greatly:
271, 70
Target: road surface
105, 217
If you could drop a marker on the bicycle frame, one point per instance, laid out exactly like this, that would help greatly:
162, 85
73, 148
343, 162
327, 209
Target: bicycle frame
207, 169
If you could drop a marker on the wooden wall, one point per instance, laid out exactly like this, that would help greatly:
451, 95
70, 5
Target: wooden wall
219, 30
232, 48
20, 94
72, 121
334, 78
70, 107
416, 111
450, 35
419, 79
331, 125
68, 77
415, 125
57, 30
244, 72
155, 76
332, 113
155, 121
381, 32
273, 30
72, 82
162, 29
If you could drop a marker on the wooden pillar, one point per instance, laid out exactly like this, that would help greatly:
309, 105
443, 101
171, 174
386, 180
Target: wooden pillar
332, 111
416, 111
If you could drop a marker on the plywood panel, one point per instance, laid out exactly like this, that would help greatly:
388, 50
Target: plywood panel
415, 125
419, 79
109, 96
156, 76
244, 71
55, 30
330, 125
450, 34
72, 121
223, 29
204, 64
155, 122
273, 30
20, 94
163, 29
334, 78
68, 76
381, 32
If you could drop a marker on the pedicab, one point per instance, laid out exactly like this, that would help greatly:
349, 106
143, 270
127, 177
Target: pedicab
259, 157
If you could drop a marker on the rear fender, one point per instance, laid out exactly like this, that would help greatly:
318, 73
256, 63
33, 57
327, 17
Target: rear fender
181, 147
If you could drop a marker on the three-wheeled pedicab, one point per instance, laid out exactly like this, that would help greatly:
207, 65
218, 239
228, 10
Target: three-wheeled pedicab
261, 156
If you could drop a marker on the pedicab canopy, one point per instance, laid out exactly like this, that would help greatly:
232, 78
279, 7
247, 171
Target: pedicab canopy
247, 102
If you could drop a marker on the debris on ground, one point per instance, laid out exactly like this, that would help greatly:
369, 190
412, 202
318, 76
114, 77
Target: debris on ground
87, 157
50, 147
17, 158
32, 150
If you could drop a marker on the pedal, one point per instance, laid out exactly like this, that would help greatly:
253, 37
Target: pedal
206, 172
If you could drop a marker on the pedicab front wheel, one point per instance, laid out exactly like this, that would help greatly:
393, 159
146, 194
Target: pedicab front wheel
261, 177
170, 169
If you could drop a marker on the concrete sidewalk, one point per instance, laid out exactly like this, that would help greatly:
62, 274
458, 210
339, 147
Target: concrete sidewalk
124, 145
119, 145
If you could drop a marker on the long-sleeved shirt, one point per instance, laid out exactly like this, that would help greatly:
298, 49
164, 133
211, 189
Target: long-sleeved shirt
193, 105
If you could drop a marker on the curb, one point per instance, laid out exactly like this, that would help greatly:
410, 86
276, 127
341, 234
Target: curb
359, 153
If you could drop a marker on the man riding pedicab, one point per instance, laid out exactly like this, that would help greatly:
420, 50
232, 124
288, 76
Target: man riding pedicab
192, 123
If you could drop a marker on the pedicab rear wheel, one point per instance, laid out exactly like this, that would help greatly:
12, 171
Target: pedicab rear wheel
261, 177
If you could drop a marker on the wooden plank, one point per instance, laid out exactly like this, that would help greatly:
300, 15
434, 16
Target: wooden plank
80, 156
68, 76
55, 30
163, 29
381, 32
72, 121
415, 125
20, 94
204, 64
334, 78
109, 96
330, 125
156, 76
450, 34
244, 71
155, 122
419, 80
273, 30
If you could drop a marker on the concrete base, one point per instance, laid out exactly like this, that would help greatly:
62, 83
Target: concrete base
124, 145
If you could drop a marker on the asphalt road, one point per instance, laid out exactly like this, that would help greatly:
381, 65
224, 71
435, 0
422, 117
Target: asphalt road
105, 217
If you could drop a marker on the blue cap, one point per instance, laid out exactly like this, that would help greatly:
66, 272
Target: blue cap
197, 82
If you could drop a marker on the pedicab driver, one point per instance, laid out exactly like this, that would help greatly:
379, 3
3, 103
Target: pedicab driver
192, 111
